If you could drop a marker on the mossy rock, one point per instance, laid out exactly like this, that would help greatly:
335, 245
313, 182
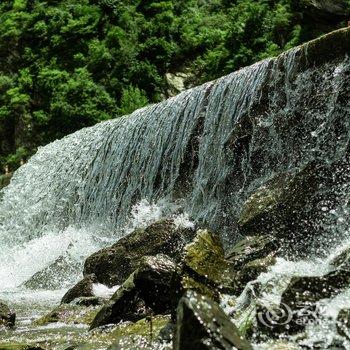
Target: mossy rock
69, 314
114, 264
204, 260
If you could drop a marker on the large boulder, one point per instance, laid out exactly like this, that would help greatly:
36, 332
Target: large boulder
7, 316
114, 264
203, 325
146, 292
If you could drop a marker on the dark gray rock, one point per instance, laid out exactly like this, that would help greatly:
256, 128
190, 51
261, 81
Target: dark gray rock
146, 292
203, 325
84, 288
114, 264
298, 306
7, 316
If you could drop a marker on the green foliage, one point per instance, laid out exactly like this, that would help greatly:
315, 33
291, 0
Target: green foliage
132, 99
67, 64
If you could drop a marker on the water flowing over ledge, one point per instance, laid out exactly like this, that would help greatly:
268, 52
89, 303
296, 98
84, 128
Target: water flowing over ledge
209, 148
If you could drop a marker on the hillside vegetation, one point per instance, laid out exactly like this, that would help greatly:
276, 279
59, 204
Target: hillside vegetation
67, 64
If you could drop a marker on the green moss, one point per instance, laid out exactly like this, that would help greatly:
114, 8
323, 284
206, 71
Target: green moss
205, 255
69, 314
18, 346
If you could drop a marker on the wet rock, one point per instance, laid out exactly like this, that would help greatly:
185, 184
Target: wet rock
204, 267
341, 261
252, 248
7, 316
143, 334
49, 279
343, 323
69, 314
147, 291
89, 301
84, 288
308, 290
278, 200
114, 264
202, 324
251, 270
166, 334
298, 306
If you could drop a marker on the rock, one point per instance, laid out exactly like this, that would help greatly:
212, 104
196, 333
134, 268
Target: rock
332, 10
252, 248
147, 291
84, 288
278, 200
5, 180
341, 261
166, 334
89, 301
48, 279
7, 316
114, 264
140, 335
69, 314
177, 82
298, 306
204, 267
343, 323
251, 270
308, 290
202, 324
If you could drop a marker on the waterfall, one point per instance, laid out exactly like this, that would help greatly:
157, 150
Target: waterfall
208, 148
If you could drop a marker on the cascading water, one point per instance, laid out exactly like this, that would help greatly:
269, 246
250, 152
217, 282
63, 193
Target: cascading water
206, 150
